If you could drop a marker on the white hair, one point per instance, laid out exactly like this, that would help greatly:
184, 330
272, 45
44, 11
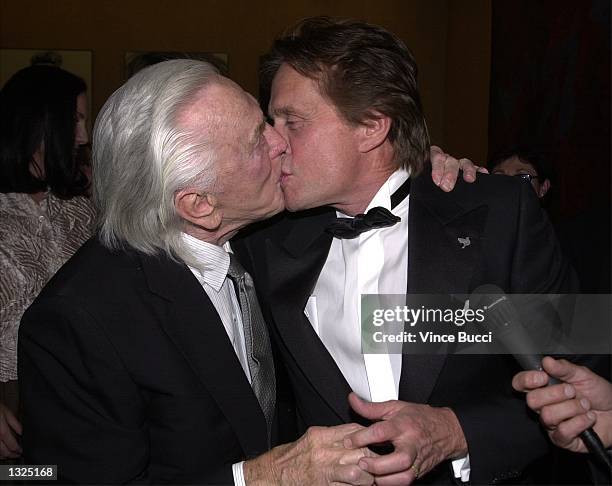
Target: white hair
141, 157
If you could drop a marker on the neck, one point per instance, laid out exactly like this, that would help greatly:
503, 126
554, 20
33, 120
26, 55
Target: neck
364, 191
218, 237
38, 196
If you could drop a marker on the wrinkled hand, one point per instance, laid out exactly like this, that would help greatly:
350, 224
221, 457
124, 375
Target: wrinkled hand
584, 400
319, 457
422, 436
9, 426
445, 169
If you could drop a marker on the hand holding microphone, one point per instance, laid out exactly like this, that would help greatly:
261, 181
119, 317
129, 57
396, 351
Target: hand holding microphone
503, 318
583, 400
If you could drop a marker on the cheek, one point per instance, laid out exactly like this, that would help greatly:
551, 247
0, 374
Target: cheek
258, 171
321, 159
307, 153
300, 140
81, 132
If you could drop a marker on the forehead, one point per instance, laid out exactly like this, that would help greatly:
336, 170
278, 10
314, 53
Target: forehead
290, 89
220, 104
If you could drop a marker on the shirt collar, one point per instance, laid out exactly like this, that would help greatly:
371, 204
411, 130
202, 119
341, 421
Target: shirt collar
211, 262
383, 197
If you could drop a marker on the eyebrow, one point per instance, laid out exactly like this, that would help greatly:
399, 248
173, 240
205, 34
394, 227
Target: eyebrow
283, 110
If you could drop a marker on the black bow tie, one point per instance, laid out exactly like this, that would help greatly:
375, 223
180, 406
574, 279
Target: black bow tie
378, 217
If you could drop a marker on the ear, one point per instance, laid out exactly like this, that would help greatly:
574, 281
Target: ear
200, 209
373, 132
544, 187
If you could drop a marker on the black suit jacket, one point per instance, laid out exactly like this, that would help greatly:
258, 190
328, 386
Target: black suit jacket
127, 375
512, 246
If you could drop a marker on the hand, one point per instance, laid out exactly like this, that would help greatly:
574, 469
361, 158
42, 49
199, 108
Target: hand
9, 426
584, 400
445, 169
318, 458
422, 436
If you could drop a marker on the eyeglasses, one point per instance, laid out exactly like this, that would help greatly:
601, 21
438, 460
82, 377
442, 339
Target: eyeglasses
526, 177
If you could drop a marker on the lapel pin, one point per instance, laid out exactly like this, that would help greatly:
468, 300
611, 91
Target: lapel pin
464, 242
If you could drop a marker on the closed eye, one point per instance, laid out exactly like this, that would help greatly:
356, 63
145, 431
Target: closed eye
293, 124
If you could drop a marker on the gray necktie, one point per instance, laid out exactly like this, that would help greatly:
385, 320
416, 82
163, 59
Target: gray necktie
256, 340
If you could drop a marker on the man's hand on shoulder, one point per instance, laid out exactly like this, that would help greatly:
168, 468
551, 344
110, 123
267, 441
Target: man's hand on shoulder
445, 169
422, 437
318, 457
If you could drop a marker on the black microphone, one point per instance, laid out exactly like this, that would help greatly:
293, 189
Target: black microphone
502, 318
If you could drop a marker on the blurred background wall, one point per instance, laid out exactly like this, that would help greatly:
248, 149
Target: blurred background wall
449, 38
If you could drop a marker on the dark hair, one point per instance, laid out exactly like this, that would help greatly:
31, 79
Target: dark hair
38, 106
362, 69
535, 157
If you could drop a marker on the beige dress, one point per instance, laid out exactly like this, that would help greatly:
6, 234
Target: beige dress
35, 241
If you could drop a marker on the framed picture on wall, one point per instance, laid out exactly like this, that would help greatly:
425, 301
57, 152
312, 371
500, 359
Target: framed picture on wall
75, 61
137, 60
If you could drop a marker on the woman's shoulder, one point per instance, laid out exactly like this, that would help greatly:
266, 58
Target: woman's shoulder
78, 207
15, 203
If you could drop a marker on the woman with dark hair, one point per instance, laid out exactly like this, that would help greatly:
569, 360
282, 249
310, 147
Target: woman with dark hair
528, 164
44, 214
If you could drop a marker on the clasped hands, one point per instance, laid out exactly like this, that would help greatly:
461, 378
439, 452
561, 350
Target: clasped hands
422, 437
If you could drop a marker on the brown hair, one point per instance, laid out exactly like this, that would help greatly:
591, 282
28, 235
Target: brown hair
362, 69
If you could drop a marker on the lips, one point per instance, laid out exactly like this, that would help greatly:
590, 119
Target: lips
284, 176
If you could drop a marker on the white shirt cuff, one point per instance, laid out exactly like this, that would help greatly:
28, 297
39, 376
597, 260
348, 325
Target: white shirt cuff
461, 468
238, 472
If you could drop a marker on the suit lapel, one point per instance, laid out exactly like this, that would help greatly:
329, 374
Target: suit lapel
444, 241
444, 249
293, 271
197, 331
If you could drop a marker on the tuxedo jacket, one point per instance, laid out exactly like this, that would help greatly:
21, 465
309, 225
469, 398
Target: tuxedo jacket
512, 245
127, 375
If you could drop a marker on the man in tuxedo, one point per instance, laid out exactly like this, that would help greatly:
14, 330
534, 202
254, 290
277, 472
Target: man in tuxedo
146, 358
344, 96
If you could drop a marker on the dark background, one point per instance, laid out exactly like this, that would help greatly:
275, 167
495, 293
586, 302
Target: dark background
492, 73
550, 89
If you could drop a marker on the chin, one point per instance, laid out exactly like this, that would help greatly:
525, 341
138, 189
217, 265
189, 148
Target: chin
293, 207
295, 204
292, 202
275, 209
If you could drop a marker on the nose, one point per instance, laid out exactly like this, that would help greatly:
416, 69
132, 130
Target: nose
81, 136
276, 142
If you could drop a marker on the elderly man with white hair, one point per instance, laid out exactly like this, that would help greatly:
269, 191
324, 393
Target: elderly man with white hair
146, 359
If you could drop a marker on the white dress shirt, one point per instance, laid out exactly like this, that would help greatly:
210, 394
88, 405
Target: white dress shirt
209, 265
211, 271
375, 262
